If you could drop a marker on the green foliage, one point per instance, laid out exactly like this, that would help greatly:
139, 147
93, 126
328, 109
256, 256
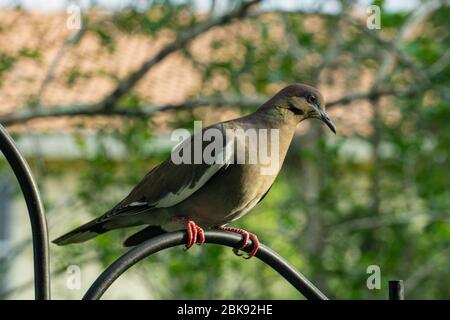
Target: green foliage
104, 35
6, 63
163, 15
33, 54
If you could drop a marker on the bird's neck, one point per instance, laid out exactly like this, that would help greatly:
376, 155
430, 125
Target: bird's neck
278, 117
275, 119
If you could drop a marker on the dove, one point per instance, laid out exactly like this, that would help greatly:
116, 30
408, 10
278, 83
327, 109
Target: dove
208, 183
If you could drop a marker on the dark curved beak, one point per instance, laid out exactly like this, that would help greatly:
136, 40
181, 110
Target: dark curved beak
325, 118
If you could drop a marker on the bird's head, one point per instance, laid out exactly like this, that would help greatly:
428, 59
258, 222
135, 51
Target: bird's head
299, 101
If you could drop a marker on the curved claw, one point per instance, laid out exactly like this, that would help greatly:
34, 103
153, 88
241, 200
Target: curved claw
236, 252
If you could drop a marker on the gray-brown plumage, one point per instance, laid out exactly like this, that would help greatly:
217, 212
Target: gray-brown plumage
211, 195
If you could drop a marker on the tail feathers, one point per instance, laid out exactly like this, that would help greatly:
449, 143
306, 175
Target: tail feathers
83, 233
142, 235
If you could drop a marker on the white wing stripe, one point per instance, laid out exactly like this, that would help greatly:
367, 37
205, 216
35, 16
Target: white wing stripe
137, 203
186, 191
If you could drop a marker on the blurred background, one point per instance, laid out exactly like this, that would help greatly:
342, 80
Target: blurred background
91, 90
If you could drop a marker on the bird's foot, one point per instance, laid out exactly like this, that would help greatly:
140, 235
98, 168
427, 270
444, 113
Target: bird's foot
246, 236
195, 233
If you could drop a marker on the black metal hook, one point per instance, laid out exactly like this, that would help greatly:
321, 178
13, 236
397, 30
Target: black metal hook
168, 240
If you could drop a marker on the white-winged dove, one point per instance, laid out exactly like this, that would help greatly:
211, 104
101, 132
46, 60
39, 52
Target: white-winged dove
193, 196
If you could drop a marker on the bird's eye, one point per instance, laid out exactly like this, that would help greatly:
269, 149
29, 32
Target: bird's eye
311, 99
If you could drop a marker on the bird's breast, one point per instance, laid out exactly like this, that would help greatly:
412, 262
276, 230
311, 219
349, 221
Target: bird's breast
223, 200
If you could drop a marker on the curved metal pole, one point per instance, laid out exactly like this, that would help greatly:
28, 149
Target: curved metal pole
35, 211
168, 240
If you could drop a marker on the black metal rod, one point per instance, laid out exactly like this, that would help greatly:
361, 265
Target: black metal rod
35, 211
396, 290
168, 240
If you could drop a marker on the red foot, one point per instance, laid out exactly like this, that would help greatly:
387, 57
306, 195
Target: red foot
246, 235
195, 233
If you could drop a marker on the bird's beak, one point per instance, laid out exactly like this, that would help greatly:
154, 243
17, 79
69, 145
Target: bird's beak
325, 118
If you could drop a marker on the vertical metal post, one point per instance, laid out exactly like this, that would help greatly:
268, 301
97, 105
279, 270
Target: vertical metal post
35, 211
396, 290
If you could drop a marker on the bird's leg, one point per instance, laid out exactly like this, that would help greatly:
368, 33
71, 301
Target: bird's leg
246, 236
195, 233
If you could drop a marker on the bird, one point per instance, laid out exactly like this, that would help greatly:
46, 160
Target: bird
209, 195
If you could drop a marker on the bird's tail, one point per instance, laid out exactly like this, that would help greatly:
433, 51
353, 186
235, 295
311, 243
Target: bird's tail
83, 233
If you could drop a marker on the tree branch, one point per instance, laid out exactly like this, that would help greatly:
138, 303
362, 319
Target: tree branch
146, 111
141, 111
180, 42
